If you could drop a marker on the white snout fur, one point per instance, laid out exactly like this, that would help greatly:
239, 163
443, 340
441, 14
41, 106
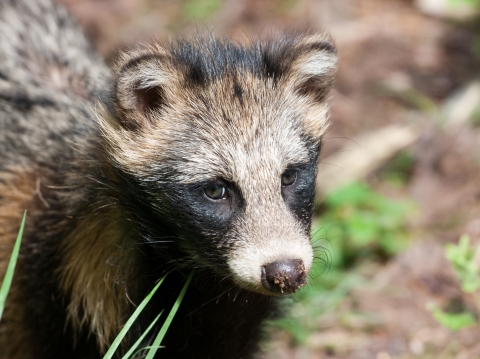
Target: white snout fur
247, 261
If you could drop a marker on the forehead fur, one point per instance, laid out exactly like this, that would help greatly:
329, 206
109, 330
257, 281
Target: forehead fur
210, 101
205, 59
238, 125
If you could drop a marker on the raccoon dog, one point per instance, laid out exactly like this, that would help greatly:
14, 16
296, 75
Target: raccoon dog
197, 154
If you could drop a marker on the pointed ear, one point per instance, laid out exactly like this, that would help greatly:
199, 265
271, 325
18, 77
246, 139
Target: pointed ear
144, 81
313, 66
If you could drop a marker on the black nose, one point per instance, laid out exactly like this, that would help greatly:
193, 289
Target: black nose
284, 276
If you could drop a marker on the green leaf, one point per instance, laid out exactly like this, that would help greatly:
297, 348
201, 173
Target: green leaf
452, 321
351, 195
7, 280
364, 229
168, 321
128, 324
462, 258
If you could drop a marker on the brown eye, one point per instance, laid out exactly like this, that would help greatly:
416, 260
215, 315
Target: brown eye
289, 177
215, 191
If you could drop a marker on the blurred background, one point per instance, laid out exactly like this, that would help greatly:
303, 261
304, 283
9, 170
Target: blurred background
397, 223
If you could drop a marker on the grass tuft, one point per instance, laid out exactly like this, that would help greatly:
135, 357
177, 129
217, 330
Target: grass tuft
168, 321
137, 343
128, 324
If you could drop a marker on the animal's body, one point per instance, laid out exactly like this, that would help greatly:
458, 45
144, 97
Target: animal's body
195, 155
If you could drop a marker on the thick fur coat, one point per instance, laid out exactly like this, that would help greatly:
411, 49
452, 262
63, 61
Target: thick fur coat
196, 154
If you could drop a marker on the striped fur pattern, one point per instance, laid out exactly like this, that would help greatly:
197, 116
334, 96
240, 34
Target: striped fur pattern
120, 171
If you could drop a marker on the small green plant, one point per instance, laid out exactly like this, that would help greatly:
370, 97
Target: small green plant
462, 258
7, 280
452, 321
152, 349
361, 224
464, 263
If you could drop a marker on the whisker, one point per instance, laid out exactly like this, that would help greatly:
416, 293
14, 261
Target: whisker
331, 164
344, 138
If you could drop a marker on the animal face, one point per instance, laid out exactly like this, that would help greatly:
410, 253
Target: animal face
224, 142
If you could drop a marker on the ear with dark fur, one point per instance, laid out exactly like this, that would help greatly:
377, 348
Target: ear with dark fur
313, 66
144, 80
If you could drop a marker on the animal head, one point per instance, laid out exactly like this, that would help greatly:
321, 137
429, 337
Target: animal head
221, 144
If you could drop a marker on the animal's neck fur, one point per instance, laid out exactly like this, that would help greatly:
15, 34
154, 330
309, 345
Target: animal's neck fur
98, 271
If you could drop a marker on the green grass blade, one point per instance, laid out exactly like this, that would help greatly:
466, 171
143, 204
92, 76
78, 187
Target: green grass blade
130, 321
7, 281
137, 343
168, 321
145, 348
